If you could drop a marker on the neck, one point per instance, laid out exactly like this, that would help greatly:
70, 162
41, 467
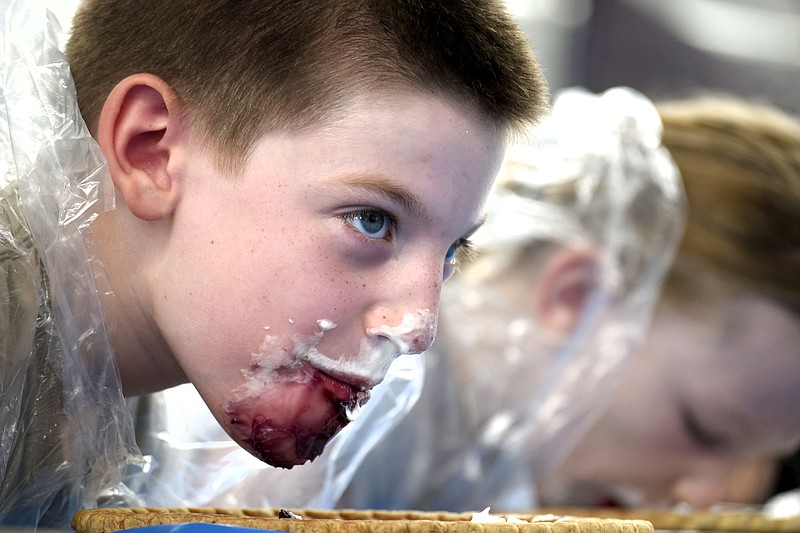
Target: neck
145, 362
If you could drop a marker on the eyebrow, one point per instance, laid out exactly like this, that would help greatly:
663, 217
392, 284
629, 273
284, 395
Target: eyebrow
383, 187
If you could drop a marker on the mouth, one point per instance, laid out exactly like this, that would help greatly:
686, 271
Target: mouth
291, 424
342, 388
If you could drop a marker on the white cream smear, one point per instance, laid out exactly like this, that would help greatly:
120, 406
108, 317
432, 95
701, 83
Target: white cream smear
382, 345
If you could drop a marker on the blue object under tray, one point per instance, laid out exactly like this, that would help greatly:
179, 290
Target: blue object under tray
198, 527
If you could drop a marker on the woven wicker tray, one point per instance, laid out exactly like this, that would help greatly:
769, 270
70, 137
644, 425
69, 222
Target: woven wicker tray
742, 519
342, 521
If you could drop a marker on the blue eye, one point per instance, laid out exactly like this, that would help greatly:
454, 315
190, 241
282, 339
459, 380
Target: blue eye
451, 255
459, 252
373, 223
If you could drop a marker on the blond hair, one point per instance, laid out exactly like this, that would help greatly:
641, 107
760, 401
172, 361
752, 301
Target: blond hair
740, 164
242, 67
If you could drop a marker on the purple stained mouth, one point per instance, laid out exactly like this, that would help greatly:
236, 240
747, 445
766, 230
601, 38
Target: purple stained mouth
316, 416
287, 448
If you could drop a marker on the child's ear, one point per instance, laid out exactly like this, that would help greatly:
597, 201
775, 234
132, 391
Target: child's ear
567, 283
137, 131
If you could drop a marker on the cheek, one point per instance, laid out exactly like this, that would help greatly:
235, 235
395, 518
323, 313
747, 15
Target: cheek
270, 284
304, 296
216, 327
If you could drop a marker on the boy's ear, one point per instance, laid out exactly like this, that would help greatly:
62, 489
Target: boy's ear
137, 131
567, 283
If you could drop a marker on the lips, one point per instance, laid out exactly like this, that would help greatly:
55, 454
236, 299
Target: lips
339, 389
289, 424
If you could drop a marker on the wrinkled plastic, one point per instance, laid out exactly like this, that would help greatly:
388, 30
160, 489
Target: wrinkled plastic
66, 432
503, 402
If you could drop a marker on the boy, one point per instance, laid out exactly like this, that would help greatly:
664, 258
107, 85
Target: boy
294, 180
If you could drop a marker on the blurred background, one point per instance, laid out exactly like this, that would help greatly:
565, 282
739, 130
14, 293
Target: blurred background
672, 48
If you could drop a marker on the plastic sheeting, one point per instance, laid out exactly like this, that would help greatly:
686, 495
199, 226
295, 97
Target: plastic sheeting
66, 434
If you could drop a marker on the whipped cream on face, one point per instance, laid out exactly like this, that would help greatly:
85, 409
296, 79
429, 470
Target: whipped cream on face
264, 363
294, 398
414, 334
382, 345
325, 324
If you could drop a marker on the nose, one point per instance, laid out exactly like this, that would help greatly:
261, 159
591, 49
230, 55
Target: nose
705, 485
405, 312
414, 334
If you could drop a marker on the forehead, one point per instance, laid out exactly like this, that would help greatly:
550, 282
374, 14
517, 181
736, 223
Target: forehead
407, 135
440, 155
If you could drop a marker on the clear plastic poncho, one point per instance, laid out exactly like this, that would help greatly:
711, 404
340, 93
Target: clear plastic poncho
66, 434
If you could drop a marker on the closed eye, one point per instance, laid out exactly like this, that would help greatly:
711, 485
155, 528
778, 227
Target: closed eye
702, 436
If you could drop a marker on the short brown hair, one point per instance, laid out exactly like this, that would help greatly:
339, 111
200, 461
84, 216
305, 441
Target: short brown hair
740, 163
241, 67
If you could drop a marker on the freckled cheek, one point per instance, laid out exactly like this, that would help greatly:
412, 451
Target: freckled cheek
338, 293
422, 283
324, 288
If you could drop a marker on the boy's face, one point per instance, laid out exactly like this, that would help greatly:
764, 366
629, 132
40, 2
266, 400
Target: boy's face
286, 291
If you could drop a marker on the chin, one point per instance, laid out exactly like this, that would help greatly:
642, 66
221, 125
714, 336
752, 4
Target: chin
288, 424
